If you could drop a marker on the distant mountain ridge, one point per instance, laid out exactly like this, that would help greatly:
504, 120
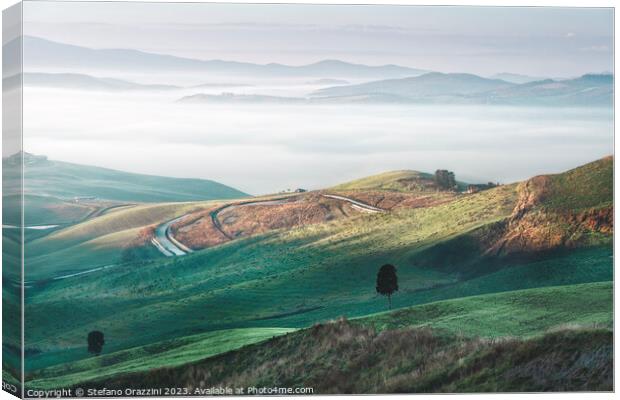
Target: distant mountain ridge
86, 82
589, 89
516, 78
427, 85
439, 88
435, 87
41, 53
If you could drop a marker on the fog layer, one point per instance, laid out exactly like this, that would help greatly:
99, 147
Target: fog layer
267, 148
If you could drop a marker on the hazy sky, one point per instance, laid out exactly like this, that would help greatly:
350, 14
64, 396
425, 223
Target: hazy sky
537, 41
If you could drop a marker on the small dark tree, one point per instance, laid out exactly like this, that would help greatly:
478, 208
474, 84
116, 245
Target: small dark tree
387, 282
95, 342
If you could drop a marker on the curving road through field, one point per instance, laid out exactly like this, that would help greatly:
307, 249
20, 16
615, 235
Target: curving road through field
358, 205
166, 243
218, 225
170, 247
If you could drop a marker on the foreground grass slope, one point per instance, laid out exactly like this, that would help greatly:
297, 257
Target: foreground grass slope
416, 349
341, 358
167, 353
521, 313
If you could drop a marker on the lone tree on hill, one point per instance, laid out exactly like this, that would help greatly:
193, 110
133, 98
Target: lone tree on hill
387, 282
95, 342
445, 179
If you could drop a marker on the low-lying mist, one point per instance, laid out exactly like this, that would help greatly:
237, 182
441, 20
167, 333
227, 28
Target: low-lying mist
267, 148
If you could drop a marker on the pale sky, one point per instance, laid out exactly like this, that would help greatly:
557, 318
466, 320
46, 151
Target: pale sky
556, 42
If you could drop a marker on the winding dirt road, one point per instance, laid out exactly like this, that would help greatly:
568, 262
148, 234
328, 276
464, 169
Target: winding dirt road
170, 247
166, 243
218, 224
358, 205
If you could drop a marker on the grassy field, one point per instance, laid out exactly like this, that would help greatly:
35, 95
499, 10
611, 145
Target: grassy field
393, 343
96, 242
284, 279
340, 358
167, 353
293, 278
66, 180
251, 279
520, 313
581, 188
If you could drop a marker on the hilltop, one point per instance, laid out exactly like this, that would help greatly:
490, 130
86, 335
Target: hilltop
68, 180
62, 193
571, 209
400, 181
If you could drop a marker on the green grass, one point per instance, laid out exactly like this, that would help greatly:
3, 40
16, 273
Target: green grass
522, 314
584, 187
340, 358
517, 313
66, 180
47, 210
96, 242
162, 354
388, 181
285, 279
273, 278
281, 279
399, 181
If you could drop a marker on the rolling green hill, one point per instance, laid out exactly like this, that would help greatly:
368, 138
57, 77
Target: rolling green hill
584, 187
167, 353
340, 358
521, 313
402, 181
294, 278
577, 315
97, 242
63, 180
567, 210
